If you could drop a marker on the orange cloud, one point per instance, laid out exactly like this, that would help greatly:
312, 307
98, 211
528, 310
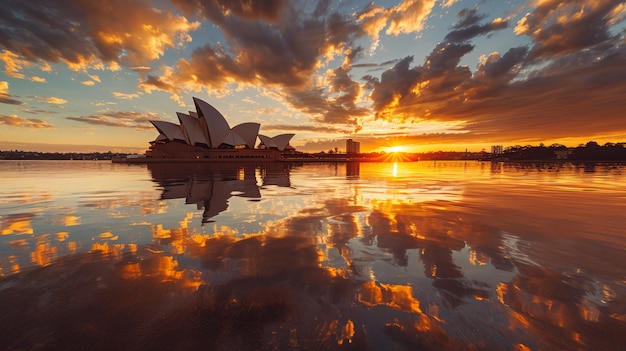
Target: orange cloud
52, 100
15, 121
125, 96
13, 64
87, 34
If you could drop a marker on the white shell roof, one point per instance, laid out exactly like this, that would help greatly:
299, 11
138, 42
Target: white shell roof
248, 132
216, 123
193, 129
171, 130
233, 139
207, 126
279, 141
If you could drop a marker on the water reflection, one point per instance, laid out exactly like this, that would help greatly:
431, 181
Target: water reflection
210, 186
434, 256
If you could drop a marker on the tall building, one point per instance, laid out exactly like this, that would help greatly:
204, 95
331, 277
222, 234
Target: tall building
497, 149
353, 147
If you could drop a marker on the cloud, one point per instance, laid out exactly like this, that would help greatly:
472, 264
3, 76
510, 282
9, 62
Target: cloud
393, 84
409, 16
104, 103
5, 97
337, 103
13, 64
545, 91
248, 9
327, 129
124, 96
15, 121
38, 79
157, 83
494, 73
35, 112
111, 118
474, 30
561, 27
52, 100
88, 82
87, 34
285, 53
448, 3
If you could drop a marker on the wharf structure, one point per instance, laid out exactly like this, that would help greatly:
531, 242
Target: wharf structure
205, 135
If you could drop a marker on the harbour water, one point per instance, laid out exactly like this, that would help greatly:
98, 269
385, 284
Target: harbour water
437, 255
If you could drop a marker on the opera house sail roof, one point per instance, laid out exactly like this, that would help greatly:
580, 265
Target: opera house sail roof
205, 134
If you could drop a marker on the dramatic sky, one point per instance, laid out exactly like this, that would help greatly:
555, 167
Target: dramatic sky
82, 75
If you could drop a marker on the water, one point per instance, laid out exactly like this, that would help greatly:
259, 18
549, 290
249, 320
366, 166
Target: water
398, 256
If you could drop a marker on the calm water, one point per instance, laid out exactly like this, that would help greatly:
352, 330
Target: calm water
380, 256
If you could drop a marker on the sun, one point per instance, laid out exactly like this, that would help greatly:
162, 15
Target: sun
393, 149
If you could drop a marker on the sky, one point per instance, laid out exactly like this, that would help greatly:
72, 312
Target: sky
420, 75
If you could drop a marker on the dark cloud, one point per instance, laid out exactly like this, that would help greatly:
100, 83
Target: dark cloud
35, 112
375, 66
558, 27
468, 26
156, 83
403, 92
126, 119
467, 33
469, 17
304, 128
394, 83
495, 72
269, 10
550, 105
254, 9
538, 93
283, 54
86, 33
336, 104
8, 99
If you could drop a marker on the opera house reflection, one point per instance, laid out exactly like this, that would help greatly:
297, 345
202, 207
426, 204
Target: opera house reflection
429, 256
210, 186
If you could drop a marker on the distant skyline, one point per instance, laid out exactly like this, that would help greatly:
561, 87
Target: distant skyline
82, 76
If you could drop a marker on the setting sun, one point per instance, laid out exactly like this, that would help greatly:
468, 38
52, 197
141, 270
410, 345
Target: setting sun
395, 149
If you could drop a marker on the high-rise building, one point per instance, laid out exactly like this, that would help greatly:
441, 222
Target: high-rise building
353, 147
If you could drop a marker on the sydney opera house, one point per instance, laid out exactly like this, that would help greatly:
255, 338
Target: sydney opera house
205, 135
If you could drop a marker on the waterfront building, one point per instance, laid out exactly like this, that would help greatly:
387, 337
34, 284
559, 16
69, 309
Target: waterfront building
205, 134
353, 147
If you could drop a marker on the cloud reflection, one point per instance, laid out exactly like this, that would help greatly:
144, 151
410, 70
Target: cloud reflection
357, 266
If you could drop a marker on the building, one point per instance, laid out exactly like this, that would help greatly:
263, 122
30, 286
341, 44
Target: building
353, 147
205, 134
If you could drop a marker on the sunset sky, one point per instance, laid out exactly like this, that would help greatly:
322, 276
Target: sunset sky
82, 75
